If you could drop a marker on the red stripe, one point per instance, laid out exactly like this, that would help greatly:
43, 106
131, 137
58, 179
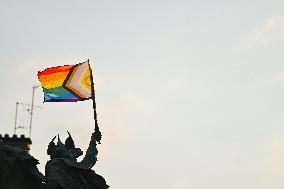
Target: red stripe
65, 68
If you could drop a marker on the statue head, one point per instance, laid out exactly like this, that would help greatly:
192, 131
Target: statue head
73, 152
63, 151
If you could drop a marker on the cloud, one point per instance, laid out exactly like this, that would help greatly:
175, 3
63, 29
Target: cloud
272, 30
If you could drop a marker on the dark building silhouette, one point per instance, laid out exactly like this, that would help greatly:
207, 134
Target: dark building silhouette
19, 142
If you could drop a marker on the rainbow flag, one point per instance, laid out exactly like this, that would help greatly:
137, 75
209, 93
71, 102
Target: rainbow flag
69, 83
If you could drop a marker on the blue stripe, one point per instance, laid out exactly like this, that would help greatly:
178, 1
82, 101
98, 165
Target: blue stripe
58, 94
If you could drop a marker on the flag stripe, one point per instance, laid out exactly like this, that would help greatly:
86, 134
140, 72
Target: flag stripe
53, 84
58, 93
80, 72
74, 81
53, 77
57, 69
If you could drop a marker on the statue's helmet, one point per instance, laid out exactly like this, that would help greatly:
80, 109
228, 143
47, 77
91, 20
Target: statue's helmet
51, 147
72, 150
69, 142
63, 151
58, 150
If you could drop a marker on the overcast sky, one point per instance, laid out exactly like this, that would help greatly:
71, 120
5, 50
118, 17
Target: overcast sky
190, 94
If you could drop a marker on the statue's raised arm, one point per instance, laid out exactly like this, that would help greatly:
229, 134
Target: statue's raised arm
90, 158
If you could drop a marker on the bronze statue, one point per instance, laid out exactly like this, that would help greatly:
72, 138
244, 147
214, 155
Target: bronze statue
62, 171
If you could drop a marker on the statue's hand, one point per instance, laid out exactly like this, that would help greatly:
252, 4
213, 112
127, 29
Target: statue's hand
97, 135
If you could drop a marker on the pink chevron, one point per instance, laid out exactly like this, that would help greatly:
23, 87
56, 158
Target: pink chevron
76, 81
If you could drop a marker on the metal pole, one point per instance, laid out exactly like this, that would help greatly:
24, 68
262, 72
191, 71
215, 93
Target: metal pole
97, 129
32, 108
16, 116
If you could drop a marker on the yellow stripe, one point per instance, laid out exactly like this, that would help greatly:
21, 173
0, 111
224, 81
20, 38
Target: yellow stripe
52, 84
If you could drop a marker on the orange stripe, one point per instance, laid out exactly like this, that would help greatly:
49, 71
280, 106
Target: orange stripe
53, 77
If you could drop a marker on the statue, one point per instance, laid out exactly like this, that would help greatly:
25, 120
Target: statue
63, 171
18, 169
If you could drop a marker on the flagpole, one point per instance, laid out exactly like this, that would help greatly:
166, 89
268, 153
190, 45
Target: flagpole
97, 129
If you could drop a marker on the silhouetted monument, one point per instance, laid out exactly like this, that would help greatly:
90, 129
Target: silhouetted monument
18, 168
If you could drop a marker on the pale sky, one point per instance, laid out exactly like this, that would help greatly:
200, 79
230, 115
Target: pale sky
190, 94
